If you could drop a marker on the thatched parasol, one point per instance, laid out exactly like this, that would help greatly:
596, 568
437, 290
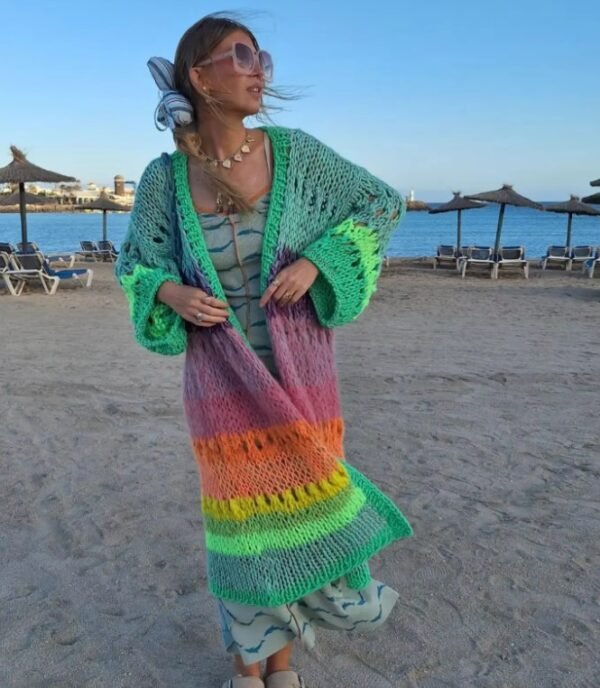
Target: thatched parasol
416, 206
104, 204
458, 204
596, 182
30, 199
504, 196
20, 171
594, 198
573, 207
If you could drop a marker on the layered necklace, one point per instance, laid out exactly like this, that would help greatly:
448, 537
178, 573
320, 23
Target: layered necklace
227, 163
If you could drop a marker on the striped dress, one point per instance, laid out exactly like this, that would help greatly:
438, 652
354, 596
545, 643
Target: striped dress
254, 632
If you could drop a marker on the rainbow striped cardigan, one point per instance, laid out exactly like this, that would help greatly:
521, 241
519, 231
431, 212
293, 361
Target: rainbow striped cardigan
284, 513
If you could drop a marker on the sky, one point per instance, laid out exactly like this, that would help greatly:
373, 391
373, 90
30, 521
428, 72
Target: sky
433, 96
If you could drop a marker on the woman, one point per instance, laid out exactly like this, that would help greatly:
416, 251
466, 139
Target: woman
245, 249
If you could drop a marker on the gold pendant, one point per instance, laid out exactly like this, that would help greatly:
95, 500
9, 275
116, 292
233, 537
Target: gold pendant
227, 163
238, 157
245, 148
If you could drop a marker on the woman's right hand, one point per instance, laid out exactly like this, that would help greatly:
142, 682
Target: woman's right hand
190, 302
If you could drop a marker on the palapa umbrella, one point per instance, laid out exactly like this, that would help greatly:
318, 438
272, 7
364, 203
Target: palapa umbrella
104, 204
573, 207
20, 171
594, 198
458, 204
412, 206
504, 196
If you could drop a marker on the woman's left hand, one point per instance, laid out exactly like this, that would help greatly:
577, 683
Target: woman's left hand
290, 285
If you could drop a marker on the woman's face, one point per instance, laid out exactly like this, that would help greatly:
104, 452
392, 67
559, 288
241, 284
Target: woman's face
236, 92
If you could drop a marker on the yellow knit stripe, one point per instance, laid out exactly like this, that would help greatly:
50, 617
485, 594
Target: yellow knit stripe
288, 501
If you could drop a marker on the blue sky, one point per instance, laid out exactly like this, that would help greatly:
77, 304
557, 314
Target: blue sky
430, 96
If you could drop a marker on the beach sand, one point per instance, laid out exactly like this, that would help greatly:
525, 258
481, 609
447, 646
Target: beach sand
473, 404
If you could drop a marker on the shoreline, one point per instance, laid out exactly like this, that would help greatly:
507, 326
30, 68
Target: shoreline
14, 209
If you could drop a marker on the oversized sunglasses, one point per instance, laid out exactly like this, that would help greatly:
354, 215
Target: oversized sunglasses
245, 60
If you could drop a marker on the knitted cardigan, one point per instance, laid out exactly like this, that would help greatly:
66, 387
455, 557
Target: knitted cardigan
284, 513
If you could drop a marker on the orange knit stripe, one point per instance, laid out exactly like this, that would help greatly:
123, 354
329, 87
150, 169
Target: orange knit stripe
270, 460
258, 444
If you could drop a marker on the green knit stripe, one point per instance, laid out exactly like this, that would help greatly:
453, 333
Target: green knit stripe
382, 504
366, 242
280, 143
348, 258
282, 531
396, 527
359, 577
156, 326
193, 231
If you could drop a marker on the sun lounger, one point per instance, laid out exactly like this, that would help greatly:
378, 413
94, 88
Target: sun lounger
32, 267
67, 259
89, 250
446, 255
580, 254
29, 247
108, 250
13, 283
513, 257
588, 267
479, 257
557, 255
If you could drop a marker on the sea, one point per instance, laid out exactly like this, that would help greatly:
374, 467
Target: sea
417, 235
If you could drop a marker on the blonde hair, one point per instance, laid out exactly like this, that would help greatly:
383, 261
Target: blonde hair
196, 45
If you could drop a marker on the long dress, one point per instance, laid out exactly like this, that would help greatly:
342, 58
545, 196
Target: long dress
255, 632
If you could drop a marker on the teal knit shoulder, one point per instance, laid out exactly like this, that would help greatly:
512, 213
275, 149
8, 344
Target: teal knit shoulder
147, 260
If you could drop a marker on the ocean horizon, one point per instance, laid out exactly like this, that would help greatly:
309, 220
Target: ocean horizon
418, 234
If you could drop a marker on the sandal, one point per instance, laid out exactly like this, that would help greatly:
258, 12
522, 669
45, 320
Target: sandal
240, 681
284, 679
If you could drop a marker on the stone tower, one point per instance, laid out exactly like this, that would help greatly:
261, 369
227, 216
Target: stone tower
119, 185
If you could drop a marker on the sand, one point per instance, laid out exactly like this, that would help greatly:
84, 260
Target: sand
474, 405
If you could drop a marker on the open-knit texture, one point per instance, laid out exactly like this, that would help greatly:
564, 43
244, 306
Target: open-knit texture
284, 513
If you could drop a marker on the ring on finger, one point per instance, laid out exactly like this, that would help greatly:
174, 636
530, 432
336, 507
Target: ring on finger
199, 316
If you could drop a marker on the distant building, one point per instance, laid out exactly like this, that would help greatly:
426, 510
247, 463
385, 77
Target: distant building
119, 185
70, 194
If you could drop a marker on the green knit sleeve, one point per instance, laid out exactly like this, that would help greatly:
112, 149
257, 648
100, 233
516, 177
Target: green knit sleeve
349, 255
146, 261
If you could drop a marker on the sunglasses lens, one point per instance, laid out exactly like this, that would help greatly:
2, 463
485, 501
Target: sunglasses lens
266, 64
244, 57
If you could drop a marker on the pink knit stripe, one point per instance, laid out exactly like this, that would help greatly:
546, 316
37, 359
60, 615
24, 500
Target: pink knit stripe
317, 403
242, 410
238, 412
219, 362
304, 351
